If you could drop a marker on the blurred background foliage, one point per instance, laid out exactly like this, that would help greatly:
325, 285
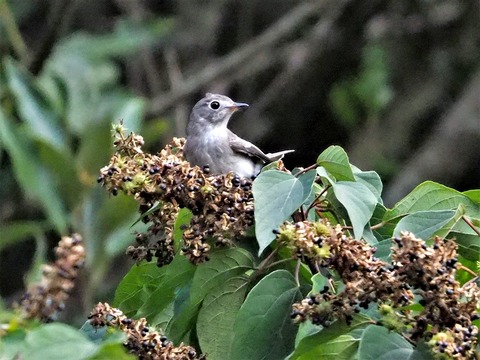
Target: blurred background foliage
396, 84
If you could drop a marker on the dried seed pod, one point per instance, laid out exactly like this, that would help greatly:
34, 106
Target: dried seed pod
222, 205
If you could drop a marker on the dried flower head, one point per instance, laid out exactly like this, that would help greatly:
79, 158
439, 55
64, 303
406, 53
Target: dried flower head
222, 205
44, 300
144, 342
417, 269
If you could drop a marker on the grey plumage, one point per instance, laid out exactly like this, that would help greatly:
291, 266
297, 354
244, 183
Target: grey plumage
210, 143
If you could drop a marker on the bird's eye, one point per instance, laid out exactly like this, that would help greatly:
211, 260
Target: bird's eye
214, 105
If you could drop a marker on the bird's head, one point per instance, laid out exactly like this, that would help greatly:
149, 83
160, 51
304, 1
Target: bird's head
215, 110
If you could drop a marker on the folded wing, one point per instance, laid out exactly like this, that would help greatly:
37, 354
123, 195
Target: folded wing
243, 146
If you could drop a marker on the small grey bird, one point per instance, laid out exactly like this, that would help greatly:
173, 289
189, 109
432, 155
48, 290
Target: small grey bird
211, 144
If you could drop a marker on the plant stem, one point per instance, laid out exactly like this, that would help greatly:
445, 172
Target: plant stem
469, 223
377, 226
13, 32
297, 271
470, 271
275, 263
316, 199
263, 264
308, 168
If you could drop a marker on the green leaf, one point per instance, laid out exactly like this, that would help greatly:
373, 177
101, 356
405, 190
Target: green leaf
383, 230
183, 322
183, 218
158, 305
122, 236
15, 232
209, 277
12, 342
216, 318
335, 160
384, 250
131, 111
473, 195
277, 195
359, 202
468, 244
35, 179
371, 180
319, 281
307, 180
432, 196
57, 341
378, 343
263, 328
34, 109
148, 289
223, 265
95, 149
426, 224
334, 342
306, 329
110, 351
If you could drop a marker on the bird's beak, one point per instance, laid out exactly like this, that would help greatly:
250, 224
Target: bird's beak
238, 106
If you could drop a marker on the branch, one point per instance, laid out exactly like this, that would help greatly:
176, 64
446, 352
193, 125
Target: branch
58, 21
285, 26
13, 33
451, 149
176, 77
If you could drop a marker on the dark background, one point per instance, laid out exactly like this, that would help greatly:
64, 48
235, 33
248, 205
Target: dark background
396, 83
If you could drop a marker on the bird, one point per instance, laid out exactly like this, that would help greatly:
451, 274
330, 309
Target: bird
213, 147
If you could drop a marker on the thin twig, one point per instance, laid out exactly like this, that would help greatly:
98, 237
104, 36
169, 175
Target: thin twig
377, 226
175, 77
58, 19
470, 271
308, 168
470, 281
285, 26
264, 263
13, 33
316, 199
275, 263
297, 271
469, 223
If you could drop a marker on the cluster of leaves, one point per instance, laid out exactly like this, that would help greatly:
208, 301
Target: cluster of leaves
54, 136
227, 309
239, 304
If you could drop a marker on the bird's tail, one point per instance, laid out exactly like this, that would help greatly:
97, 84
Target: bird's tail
278, 155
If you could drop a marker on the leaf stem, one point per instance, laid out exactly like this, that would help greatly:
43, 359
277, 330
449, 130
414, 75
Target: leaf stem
470, 271
377, 226
275, 263
263, 264
316, 199
308, 168
297, 271
469, 223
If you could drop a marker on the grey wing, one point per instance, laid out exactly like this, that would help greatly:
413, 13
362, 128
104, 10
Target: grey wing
243, 146
240, 145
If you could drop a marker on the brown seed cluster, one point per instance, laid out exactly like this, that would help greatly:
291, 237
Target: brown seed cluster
366, 278
222, 205
416, 269
44, 300
448, 307
144, 342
